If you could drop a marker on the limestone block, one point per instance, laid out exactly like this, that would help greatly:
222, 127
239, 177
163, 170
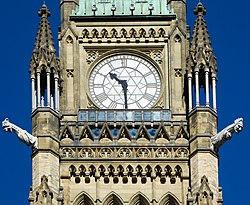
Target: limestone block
203, 120
46, 164
45, 122
204, 164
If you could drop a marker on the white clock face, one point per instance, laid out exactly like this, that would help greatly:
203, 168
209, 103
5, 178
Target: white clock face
109, 79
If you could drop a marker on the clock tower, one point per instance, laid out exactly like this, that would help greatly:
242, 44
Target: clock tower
118, 117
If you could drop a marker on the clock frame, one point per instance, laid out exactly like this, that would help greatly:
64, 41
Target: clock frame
142, 77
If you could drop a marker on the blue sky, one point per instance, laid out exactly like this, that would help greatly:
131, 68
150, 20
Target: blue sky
229, 29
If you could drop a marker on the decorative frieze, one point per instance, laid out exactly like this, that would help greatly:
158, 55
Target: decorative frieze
124, 152
98, 33
124, 173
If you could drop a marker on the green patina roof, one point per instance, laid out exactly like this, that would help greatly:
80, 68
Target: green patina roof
123, 8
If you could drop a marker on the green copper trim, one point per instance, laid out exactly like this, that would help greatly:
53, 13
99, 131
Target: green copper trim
123, 8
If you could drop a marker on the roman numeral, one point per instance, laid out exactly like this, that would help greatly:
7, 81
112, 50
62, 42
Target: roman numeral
151, 85
138, 105
98, 85
111, 66
102, 97
148, 97
112, 105
147, 74
124, 62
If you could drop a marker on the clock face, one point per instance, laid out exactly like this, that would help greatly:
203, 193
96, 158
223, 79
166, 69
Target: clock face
124, 78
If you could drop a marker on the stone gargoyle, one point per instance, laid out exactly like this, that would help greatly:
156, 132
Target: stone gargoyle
23, 135
226, 134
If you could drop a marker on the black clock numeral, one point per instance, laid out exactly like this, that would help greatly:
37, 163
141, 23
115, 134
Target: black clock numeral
151, 85
98, 85
113, 105
147, 74
148, 97
138, 105
102, 97
124, 62
111, 66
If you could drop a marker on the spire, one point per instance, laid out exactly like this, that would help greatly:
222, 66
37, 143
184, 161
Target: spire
44, 66
201, 50
44, 53
201, 62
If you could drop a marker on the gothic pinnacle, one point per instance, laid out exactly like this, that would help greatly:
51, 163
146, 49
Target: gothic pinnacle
201, 52
44, 11
200, 9
44, 52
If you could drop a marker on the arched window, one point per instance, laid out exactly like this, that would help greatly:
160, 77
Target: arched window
83, 199
112, 199
169, 199
139, 199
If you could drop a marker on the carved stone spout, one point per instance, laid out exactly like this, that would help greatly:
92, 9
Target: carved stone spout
226, 134
23, 135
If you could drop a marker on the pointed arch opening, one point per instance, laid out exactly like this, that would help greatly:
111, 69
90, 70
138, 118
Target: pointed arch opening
113, 199
83, 199
86, 136
66, 136
139, 199
169, 199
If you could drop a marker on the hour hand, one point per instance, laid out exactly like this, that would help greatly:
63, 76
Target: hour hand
113, 76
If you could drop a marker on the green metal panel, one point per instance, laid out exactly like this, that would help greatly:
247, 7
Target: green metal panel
123, 8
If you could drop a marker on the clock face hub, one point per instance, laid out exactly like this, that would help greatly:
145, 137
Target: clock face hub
142, 78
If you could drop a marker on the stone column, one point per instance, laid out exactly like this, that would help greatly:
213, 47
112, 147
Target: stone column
38, 89
56, 94
197, 88
33, 95
190, 95
214, 91
48, 89
207, 86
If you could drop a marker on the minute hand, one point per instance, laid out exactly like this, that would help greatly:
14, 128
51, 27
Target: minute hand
124, 85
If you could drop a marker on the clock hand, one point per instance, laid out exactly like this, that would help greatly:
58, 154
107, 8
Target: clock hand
124, 85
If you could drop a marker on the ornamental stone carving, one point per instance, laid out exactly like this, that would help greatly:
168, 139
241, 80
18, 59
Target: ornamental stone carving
226, 134
113, 33
156, 55
178, 72
124, 153
123, 33
67, 153
162, 153
44, 195
143, 153
105, 153
86, 153
181, 152
23, 135
91, 56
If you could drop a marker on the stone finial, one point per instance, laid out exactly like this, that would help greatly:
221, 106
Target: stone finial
31, 197
60, 197
200, 9
44, 53
220, 198
44, 11
204, 195
201, 52
44, 194
190, 197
